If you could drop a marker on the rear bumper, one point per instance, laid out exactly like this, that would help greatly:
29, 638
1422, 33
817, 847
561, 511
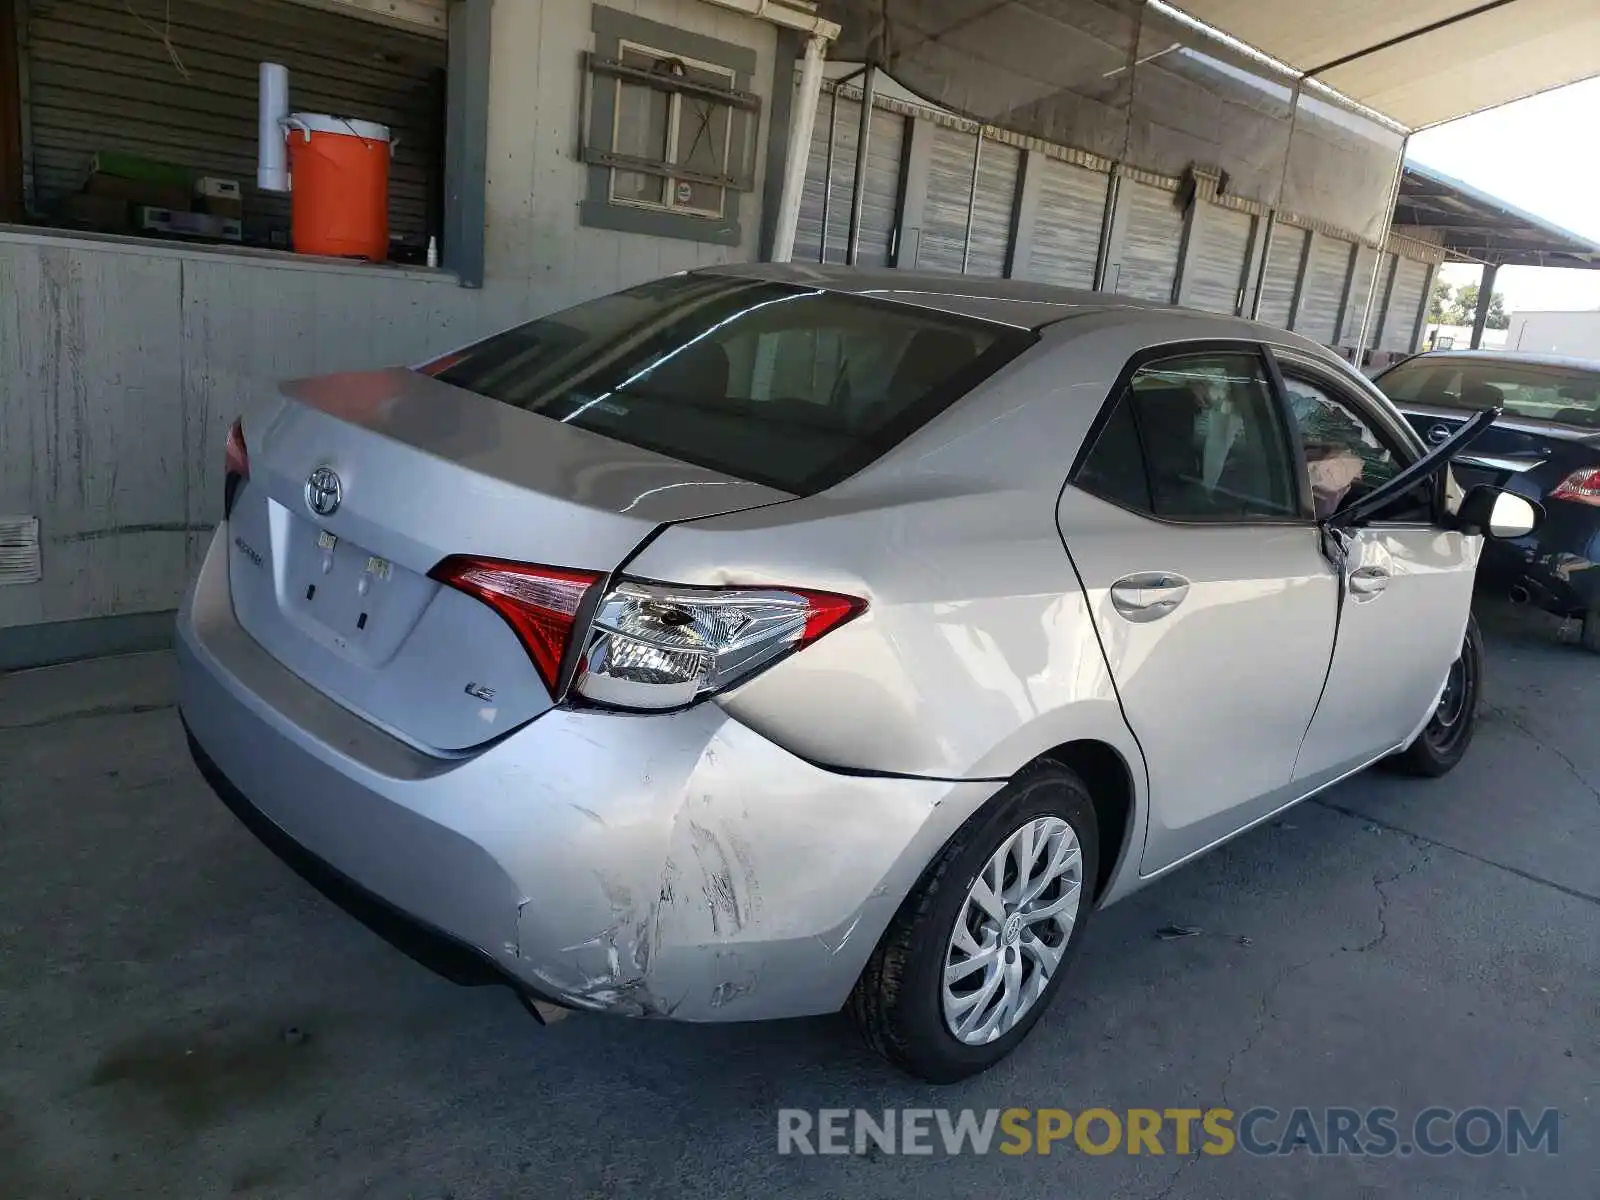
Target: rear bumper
672, 865
1558, 566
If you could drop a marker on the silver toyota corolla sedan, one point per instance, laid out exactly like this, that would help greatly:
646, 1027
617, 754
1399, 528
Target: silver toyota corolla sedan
766, 641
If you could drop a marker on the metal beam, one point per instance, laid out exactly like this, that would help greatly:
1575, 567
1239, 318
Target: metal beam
466, 140
12, 206
1485, 298
869, 90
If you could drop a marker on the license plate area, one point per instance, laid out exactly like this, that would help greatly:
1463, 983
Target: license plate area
358, 603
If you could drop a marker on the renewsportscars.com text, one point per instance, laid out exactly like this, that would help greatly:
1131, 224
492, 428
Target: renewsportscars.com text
1261, 1131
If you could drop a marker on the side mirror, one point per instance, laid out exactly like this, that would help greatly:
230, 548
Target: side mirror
1497, 513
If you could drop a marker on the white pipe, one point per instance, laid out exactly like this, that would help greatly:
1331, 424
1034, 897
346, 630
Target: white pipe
802, 119
272, 156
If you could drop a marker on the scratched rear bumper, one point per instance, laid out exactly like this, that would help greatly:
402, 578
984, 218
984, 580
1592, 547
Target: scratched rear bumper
673, 865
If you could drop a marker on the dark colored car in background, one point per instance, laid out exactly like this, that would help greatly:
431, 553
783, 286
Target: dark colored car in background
1545, 446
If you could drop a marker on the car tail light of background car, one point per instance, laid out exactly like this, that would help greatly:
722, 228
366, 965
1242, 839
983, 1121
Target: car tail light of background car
1582, 485
648, 646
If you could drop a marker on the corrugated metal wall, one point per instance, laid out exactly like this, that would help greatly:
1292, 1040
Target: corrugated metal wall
1322, 288
1221, 245
1151, 242
880, 200
1360, 284
1283, 272
1405, 301
993, 204
944, 216
1066, 228
101, 78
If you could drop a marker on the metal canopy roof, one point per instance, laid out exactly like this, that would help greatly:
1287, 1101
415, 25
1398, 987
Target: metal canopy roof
1476, 227
1420, 62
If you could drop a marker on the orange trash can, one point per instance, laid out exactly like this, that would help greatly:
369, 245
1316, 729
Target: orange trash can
339, 186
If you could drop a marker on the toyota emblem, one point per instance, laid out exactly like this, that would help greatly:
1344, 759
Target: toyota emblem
324, 492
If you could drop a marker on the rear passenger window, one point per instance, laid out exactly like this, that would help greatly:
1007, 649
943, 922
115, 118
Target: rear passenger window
1195, 438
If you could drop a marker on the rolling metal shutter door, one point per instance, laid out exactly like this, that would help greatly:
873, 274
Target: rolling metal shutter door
993, 204
1405, 300
1151, 242
1323, 288
99, 78
880, 202
1283, 270
944, 215
1215, 274
1360, 285
1066, 228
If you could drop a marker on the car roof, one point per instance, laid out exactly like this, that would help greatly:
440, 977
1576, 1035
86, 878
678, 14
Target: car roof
1020, 303
1513, 356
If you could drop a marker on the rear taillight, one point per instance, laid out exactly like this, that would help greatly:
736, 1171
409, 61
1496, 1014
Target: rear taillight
1582, 485
647, 646
236, 466
656, 646
539, 603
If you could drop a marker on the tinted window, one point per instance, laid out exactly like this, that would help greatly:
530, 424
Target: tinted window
1345, 458
1212, 440
1570, 395
1115, 469
777, 384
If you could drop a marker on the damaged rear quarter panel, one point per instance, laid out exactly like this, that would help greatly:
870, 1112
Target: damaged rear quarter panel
690, 868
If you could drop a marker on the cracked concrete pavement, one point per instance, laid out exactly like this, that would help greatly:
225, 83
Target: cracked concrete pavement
181, 1016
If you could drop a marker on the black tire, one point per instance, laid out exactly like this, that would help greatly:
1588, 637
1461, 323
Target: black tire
1444, 740
897, 1003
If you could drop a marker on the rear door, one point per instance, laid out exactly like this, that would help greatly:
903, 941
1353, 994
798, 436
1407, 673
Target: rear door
1407, 581
1211, 598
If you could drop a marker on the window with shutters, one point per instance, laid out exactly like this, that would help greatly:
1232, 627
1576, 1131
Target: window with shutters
682, 139
667, 130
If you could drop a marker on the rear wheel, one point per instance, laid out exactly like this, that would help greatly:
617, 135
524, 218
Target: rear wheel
978, 949
1445, 738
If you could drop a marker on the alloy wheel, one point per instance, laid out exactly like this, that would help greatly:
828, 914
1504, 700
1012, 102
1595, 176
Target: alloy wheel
1012, 930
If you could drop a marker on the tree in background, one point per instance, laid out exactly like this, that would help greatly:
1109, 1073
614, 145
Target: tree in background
1459, 306
1442, 304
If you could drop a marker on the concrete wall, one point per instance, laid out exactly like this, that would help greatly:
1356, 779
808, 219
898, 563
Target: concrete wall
122, 362
1576, 334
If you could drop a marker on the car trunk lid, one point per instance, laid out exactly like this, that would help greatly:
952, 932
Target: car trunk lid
361, 483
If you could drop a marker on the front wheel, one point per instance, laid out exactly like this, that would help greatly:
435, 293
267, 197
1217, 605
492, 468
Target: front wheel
978, 949
1445, 738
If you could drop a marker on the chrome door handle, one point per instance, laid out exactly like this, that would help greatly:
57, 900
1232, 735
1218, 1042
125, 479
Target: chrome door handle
1368, 581
1149, 595
1438, 434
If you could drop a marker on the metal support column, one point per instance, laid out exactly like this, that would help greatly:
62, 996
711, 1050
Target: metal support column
1372, 288
869, 88
11, 200
466, 141
1485, 298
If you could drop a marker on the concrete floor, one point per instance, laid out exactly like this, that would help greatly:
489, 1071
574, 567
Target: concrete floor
181, 1016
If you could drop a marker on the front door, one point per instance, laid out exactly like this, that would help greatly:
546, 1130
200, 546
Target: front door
1209, 592
1407, 581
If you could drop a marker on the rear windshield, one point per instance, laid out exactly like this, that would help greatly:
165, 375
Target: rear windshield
1546, 392
786, 386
